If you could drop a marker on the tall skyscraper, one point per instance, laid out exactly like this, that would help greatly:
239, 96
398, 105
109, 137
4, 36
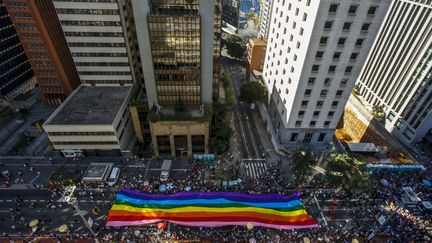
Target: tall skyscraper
40, 33
230, 12
16, 74
265, 17
398, 71
179, 42
97, 37
314, 54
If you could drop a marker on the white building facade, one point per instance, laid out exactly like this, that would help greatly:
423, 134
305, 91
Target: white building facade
398, 71
265, 16
95, 34
314, 54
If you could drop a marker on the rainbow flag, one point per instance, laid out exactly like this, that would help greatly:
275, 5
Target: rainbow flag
210, 209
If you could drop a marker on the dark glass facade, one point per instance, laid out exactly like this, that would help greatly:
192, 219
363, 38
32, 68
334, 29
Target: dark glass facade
174, 29
15, 69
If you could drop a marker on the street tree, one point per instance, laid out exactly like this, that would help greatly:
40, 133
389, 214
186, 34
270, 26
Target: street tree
252, 92
236, 46
304, 160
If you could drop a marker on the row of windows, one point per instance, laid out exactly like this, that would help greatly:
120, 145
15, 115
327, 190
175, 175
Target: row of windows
87, 44
336, 55
308, 137
95, 34
305, 103
85, 143
346, 26
331, 69
298, 123
87, 54
102, 64
352, 9
103, 73
90, 23
87, 11
80, 133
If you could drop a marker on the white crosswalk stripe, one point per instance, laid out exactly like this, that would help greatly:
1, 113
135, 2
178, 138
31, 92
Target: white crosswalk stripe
255, 169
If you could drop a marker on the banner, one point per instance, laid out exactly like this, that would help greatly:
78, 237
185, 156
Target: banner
210, 209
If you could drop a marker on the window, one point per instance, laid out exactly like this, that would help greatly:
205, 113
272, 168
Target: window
323, 93
328, 25
341, 41
348, 69
344, 82
365, 27
353, 56
327, 81
292, 69
335, 104
330, 114
332, 68
308, 92
296, 12
316, 113
311, 80
298, 123
319, 54
304, 16
291, 37
346, 26
336, 55
333, 8
301, 113
326, 123
359, 42
315, 68
321, 137
295, 58
294, 25
298, 44
312, 123
307, 138
307, 2
301, 31
339, 93
286, 91
352, 9
294, 137
304, 103
372, 10
319, 104
323, 40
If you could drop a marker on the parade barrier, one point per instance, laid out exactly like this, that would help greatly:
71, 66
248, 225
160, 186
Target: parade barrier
210, 209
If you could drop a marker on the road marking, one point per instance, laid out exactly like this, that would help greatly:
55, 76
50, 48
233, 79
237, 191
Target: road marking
319, 208
253, 139
242, 132
42, 200
99, 201
8, 200
31, 182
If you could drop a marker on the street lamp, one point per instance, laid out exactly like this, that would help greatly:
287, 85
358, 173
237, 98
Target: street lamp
67, 197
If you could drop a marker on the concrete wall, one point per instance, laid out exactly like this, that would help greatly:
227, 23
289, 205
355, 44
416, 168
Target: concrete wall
173, 128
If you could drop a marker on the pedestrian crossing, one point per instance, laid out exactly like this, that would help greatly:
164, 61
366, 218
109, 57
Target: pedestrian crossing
255, 169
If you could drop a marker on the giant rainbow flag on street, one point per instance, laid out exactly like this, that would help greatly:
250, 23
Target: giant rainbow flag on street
210, 209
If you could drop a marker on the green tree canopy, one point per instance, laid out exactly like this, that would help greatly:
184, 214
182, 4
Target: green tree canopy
303, 161
252, 92
236, 46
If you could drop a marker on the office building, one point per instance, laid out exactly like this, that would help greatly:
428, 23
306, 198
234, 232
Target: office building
179, 43
93, 120
397, 74
314, 54
16, 74
97, 37
41, 35
265, 17
230, 13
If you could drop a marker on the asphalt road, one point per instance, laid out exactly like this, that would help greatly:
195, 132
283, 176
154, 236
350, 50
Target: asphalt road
244, 124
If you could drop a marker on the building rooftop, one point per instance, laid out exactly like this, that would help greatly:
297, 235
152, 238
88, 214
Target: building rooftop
90, 105
258, 41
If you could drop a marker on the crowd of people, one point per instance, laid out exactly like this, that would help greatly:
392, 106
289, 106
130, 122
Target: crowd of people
401, 224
